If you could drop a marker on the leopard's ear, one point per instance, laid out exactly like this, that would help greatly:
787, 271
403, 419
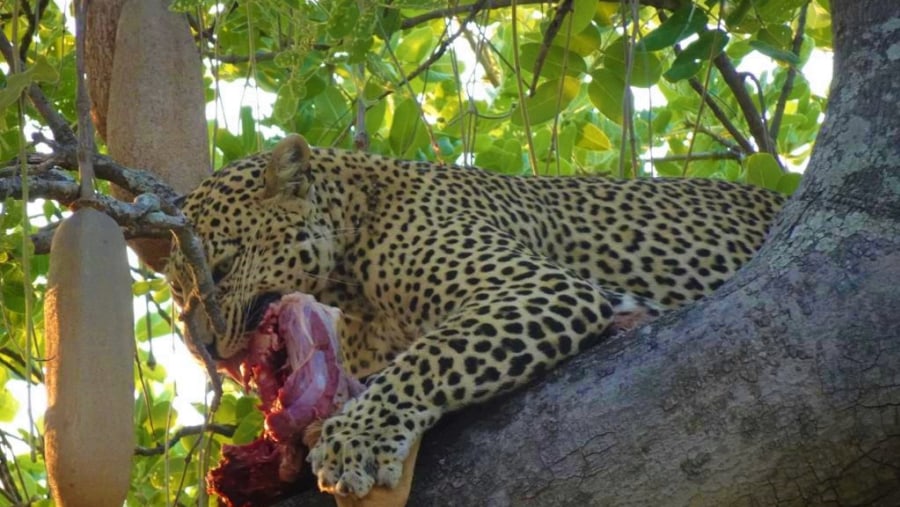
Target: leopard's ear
288, 173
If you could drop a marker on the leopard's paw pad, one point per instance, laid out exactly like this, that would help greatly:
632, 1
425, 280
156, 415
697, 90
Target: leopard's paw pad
348, 461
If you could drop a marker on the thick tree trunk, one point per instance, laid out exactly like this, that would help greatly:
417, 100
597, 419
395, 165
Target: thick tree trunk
783, 388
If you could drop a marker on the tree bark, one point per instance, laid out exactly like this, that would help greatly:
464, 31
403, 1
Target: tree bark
783, 388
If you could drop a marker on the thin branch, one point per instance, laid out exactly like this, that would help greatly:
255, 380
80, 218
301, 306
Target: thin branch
714, 155
713, 106
754, 120
722, 116
732, 147
186, 431
775, 125
564, 7
259, 56
10, 490
62, 133
484, 58
439, 51
670, 5
153, 212
34, 20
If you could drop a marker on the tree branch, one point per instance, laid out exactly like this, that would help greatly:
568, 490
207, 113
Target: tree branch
713, 106
775, 125
753, 117
670, 5
714, 155
564, 7
152, 212
217, 429
62, 133
721, 116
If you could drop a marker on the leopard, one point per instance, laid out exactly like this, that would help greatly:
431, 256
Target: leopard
455, 284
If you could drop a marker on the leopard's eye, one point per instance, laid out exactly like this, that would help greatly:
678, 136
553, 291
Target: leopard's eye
221, 269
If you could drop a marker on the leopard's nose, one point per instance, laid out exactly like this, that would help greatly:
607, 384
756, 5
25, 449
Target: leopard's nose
256, 309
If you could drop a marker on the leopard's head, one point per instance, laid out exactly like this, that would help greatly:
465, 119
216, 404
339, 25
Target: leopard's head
263, 234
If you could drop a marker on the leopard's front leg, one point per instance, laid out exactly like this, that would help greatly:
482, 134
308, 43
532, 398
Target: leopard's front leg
500, 338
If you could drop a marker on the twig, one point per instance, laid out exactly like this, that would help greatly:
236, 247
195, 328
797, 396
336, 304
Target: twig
732, 147
6, 478
714, 155
440, 50
219, 429
721, 116
705, 87
775, 125
34, 19
150, 213
670, 5
629, 137
713, 106
62, 133
736, 83
361, 134
484, 58
523, 107
564, 7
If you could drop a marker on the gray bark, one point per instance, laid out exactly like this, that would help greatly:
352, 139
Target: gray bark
781, 389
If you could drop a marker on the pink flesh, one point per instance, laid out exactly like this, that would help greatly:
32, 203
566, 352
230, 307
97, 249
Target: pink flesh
293, 363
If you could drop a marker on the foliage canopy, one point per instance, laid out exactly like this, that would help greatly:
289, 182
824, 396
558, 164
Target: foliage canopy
578, 87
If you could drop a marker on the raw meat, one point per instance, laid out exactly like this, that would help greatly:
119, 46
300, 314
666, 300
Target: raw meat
293, 363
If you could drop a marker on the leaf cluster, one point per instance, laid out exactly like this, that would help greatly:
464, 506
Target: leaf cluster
701, 88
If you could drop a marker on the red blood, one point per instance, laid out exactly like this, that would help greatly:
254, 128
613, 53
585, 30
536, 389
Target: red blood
293, 363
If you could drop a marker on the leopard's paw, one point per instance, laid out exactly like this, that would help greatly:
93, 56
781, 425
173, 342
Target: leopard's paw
356, 453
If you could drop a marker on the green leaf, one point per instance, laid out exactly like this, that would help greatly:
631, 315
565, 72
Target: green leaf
737, 14
404, 125
705, 48
789, 182
140, 287
763, 170
607, 93
15, 85
416, 45
646, 67
9, 405
157, 327
248, 130
249, 428
582, 14
585, 43
592, 138
774, 52
498, 159
776, 11
555, 60
683, 23
42, 71
548, 100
